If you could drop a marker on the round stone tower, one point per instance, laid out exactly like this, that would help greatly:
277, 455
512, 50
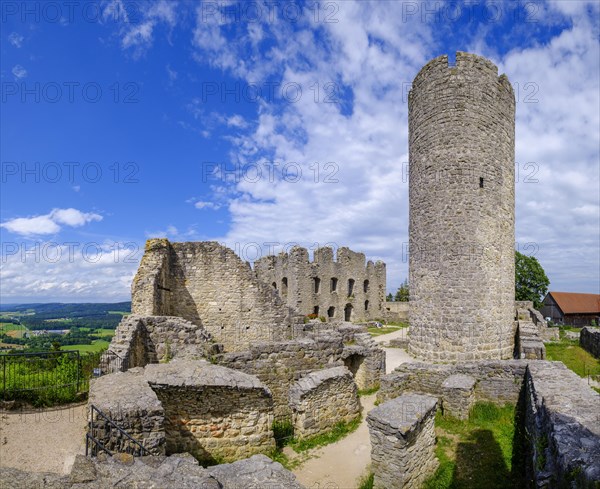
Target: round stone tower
462, 211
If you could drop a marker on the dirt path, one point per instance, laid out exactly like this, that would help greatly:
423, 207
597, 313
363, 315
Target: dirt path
342, 464
42, 440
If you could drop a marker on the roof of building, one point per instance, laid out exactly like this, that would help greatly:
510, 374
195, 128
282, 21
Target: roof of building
575, 303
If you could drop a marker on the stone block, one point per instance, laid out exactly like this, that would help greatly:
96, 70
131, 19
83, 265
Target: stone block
403, 441
458, 395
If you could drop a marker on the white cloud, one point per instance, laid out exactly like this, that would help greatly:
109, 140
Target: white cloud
73, 272
207, 205
49, 223
172, 74
16, 39
138, 34
19, 72
366, 206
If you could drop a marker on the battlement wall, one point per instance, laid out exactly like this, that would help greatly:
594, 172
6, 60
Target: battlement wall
346, 288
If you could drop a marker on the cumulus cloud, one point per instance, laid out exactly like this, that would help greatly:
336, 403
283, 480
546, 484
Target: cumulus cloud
16, 39
49, 223
43, 271
361, 198
19, 72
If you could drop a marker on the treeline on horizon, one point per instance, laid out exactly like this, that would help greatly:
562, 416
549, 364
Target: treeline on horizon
84, 315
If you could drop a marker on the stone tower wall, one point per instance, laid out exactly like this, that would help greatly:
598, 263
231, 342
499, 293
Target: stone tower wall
300, 274
209, 285
461, 193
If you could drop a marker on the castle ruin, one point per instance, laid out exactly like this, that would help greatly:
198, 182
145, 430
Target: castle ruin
462, 211
344, 289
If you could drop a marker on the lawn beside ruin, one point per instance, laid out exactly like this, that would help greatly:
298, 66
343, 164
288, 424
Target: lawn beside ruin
478, 452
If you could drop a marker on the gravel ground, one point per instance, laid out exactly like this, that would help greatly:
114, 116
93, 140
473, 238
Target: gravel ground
42, 440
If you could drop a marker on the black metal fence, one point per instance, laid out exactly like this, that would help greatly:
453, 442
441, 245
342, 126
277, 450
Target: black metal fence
104, 435
48, 378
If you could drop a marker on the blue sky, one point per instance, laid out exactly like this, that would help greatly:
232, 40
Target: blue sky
263, 125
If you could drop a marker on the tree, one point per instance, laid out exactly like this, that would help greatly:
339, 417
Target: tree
389, 297
531, 282
402, 292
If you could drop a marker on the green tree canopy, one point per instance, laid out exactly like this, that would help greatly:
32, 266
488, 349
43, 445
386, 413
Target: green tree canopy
402, 292
389, 297
531, 282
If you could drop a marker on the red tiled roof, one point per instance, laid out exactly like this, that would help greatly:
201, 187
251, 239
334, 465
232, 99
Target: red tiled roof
574, 303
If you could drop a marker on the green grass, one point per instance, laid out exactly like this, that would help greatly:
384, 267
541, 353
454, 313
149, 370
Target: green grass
574, 357
368, 392
104, 333
478, 452
366, 482
97, 345
339, 431
386, 329
122, 313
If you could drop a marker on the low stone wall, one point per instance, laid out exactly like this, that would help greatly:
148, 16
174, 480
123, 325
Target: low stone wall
176, 472
589, 339
365, 360
279, 365
140, 340
403, 441
128, 401
496, 381
215, 413
562, 420
458, 395
322, 399
529, 344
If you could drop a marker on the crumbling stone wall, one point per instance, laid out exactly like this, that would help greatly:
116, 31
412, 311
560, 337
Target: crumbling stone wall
140, 340
562, 419
496, 381
589, 339
403, 441
278, 365
215, 413
321, 399
462, 197
207, 284
344, 289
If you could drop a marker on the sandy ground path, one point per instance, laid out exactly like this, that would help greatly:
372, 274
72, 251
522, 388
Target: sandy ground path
42, 440
342, 464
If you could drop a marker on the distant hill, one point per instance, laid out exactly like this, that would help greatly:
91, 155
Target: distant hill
45, 316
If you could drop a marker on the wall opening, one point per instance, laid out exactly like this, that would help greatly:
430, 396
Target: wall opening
316, 310
366, 305
480, 182
331, 312
317, 283
350, 287
274, 284
366, 286
353, 363
333, 284
348, 312
284, 286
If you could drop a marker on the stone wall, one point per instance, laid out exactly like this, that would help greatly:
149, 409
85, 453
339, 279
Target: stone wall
462, 196
403, 441
175, 472
495, 381
140, 340
562, 420
321, 399
209, 285
278, 365
215, 413
397, 311
589, 339
344, 288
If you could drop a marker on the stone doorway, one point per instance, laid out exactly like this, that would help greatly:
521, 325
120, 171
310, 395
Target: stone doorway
348, 312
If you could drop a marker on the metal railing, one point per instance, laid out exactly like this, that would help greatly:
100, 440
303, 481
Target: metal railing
56, 377
105, 432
